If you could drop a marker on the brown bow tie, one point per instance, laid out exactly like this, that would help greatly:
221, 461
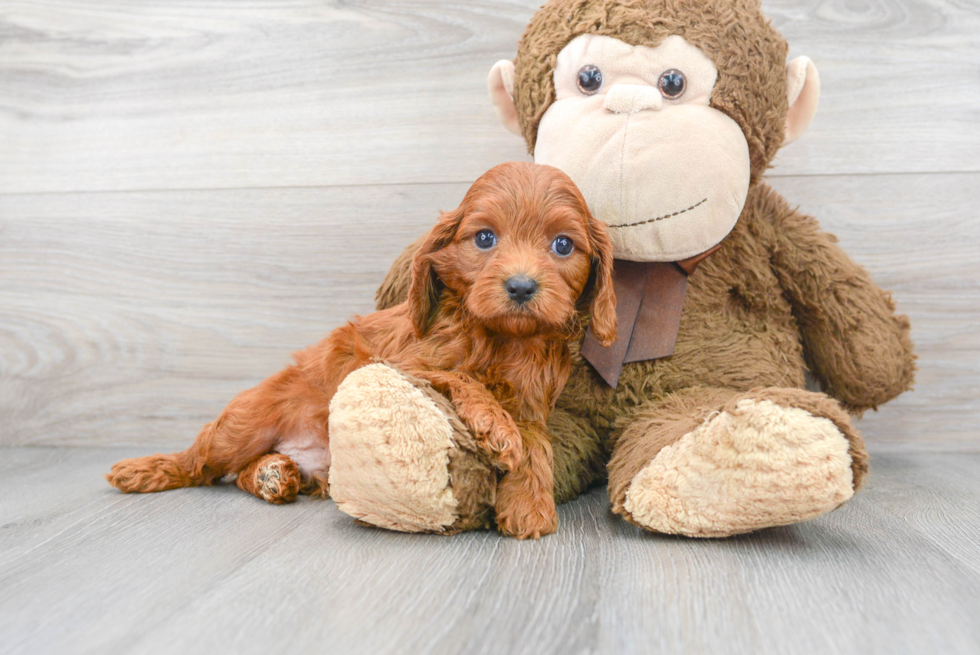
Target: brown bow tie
649, 300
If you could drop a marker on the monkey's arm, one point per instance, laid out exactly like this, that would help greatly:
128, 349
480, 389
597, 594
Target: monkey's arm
394, 289
854, 342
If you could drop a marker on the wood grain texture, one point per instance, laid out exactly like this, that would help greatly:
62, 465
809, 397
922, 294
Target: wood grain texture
900, 83
133, 318
121, 95
85, 569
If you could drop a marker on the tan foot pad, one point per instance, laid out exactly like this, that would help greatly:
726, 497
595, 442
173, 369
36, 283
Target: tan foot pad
760, 466
389, 450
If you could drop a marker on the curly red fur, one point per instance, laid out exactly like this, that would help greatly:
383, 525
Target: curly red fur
501, 363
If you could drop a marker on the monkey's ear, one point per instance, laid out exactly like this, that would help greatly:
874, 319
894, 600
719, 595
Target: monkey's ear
803, 92
424, 289
501, 87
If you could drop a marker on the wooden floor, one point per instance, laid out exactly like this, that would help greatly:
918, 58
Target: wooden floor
189, 191
86, 569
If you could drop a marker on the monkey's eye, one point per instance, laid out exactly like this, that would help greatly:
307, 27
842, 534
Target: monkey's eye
589, 79
485, 239
562, 246
672, 83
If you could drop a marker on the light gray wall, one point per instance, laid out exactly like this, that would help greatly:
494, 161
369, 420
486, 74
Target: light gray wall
189, 194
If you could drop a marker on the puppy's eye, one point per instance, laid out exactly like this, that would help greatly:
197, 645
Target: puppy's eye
485, 239
672, 84
562, 246
589, 79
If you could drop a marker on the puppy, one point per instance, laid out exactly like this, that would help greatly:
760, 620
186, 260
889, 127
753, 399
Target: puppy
497, 294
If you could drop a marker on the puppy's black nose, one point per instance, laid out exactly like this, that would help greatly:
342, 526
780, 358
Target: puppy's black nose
521, 288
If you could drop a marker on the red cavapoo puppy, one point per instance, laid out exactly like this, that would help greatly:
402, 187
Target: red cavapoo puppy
496, 296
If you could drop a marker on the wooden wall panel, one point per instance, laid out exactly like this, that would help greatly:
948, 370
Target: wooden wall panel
134, 317
121, 95
190, 192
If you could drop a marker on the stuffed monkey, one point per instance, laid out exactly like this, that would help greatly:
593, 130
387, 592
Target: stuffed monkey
666, 113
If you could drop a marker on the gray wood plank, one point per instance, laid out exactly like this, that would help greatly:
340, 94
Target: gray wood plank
154, 309
117, 95
133, 318
257, 94
215, 570
104, 593
874, 60
47, 491
934, 495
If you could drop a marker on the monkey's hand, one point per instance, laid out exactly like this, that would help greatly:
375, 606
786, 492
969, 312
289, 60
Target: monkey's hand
853, 340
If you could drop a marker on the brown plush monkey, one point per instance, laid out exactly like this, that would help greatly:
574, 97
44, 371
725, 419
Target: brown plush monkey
666, 113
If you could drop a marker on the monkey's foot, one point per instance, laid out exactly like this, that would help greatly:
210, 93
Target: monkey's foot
400, 459
274, 478
757, 465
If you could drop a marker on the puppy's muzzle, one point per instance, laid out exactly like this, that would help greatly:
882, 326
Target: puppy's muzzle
521, 288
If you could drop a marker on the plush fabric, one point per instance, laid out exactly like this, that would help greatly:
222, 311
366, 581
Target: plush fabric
404, 459
722, 437
803, 92
391, 455
751, 321
734, 34
613, 145
677, 214
739, 470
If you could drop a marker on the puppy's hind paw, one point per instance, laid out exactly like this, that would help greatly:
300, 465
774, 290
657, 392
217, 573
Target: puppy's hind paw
273, 478
148, 474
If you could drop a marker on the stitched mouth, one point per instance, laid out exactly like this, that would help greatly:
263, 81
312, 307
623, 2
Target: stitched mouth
660, 218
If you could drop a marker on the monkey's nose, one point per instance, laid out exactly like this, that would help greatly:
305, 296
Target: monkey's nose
631, 98
521, 288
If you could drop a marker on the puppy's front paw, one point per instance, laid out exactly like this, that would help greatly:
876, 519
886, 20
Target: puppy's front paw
524, 520
504, 443
273, 477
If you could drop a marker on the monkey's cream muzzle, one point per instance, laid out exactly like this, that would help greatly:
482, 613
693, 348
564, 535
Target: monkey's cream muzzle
669, 176
631, 98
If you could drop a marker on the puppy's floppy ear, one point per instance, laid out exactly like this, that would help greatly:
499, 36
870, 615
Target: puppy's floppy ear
603, 307
424, 290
